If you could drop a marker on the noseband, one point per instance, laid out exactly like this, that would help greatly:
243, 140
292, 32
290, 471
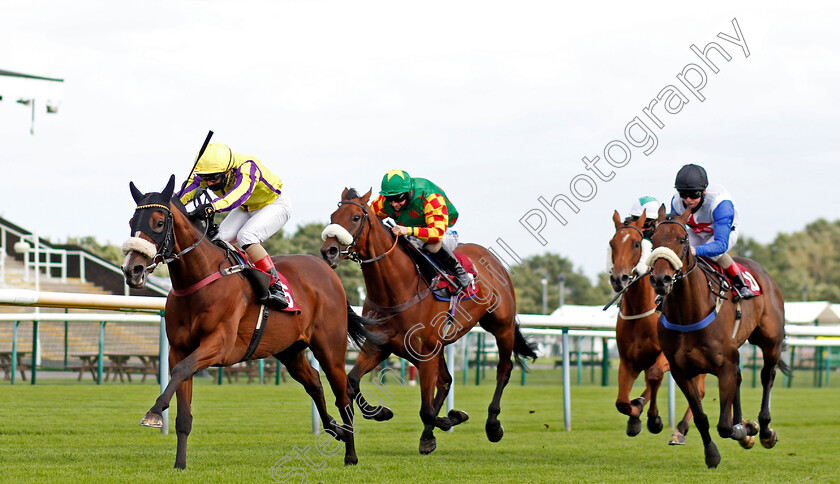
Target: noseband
348, 251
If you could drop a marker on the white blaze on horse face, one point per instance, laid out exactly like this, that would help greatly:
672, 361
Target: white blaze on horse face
624, 239
339, 232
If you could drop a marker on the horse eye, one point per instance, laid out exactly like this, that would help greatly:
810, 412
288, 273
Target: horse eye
683, 240
636, 245
356, 218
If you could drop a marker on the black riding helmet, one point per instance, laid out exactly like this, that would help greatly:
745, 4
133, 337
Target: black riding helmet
691, 177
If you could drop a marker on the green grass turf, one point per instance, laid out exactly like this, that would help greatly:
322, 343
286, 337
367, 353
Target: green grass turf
58, 431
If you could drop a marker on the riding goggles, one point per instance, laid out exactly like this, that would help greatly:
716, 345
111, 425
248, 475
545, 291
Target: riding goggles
692, 194
212, 178
397, 198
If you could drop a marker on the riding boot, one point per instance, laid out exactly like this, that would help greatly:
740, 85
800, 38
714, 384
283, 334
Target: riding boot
449, 262
276, 296
744, 291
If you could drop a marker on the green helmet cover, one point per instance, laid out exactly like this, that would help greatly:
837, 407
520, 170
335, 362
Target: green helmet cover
396, 182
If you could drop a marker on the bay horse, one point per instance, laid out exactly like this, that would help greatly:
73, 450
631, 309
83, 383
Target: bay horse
416, 325
700, 332
211, 324
636, 329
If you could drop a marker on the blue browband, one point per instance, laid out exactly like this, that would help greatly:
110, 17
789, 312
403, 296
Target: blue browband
689, 328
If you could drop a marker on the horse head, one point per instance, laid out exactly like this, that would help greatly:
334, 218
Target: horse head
152, 233
671, 253
629, 251
349, 227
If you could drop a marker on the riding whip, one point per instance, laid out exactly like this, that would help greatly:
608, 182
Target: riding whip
200, 152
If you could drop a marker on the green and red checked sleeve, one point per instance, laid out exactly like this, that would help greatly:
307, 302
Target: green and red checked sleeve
437, 219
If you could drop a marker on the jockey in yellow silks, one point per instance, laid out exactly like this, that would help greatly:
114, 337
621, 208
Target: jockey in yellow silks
251, 193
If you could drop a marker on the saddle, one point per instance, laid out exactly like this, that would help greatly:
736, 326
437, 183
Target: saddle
711, 268
259, 280
431, 272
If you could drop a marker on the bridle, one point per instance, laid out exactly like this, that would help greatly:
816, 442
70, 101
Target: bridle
636, 276
679, 274
165, 239
348, 251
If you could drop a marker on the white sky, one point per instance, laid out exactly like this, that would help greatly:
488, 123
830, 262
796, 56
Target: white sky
497, 102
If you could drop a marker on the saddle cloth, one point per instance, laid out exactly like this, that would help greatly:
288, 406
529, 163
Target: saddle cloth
259, 279
443, 289
751, 281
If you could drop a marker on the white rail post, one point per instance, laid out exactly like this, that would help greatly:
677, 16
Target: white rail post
567, 391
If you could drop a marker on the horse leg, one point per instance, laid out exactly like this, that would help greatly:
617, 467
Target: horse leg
504, 341
368, 359
653, 380
767, 435
427, 371
444, 382
682, 427
207, 354
183, 422
729, 378
737, 418
626, 377
691, 391
332, 363
301, 371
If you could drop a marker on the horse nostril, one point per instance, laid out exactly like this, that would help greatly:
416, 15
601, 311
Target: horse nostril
137, 270
667, 280
625, 278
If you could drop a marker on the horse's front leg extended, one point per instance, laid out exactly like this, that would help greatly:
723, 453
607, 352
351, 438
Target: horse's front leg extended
183, 421
208, 353
701, 421
729, 379
626, 376
444, 383
653, 379
368, 359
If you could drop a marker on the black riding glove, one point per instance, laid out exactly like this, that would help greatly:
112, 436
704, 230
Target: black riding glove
205, 211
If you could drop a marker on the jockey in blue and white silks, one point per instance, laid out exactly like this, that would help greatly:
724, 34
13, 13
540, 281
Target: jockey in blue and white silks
713, 222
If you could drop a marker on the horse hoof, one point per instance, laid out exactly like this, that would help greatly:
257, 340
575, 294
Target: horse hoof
634, 426
712, 456
739, 432
428, 446
494, 430
152, 420
443, 423
747, 442
383, 414
351, 460
655, 425
457, 417
768, 443
752, 427
677, 439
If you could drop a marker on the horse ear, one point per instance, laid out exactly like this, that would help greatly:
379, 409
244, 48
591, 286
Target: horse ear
616, 219
136, 194
683, 219
640, 223
661, 215
170, 187
344, 193
366, 197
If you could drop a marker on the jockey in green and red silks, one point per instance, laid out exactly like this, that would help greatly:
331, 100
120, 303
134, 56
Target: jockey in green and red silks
251, 193
421, 209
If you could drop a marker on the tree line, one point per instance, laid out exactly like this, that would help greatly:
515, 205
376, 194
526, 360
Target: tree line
805, 265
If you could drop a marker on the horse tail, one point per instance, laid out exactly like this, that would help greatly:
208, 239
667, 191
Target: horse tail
785, 368
357, 328
523, 347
